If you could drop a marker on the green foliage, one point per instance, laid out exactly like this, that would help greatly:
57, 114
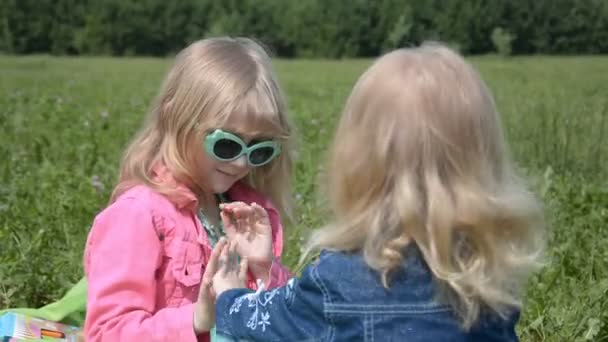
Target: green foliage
65, 122
311, 28
401, 30
502, 41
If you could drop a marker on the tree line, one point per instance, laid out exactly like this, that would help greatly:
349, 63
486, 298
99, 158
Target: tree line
304, 28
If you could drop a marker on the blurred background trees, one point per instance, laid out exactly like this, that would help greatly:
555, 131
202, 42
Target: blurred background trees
304, 28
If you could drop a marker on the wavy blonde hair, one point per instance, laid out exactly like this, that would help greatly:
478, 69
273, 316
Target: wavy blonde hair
419, 157
211, 81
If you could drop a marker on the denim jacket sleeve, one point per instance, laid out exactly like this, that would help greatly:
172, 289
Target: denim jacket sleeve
294, 312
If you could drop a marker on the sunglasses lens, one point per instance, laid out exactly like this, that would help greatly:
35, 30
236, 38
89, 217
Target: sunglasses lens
226, 149
261, 155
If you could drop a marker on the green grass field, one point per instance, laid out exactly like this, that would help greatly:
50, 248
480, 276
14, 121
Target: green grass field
65, 121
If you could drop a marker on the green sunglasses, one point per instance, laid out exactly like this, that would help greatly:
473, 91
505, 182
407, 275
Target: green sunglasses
226, 147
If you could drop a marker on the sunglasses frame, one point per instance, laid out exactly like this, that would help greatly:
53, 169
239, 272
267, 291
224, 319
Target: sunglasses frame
216, 135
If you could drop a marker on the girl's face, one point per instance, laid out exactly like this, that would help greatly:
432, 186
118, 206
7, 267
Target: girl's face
221, 175
217, 163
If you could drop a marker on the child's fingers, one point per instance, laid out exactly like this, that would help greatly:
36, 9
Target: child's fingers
242, 225
251, 217
239, 213
228, 224
243, 217
211, 269
246, 218
235, 208
212, 263
232, 251
233, 258
223, 258
206, 289
242, 210
259, 211
243, 271
261, 215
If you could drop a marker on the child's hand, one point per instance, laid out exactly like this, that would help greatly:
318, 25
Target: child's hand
249, 226
204, 308
230, 273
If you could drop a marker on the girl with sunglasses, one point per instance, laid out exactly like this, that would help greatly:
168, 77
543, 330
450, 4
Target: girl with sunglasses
433, 234
213, 158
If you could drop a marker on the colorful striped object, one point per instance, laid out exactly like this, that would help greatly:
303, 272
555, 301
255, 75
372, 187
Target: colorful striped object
18, 327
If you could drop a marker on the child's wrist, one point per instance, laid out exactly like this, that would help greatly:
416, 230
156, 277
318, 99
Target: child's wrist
227, 286
261, 270
198, 326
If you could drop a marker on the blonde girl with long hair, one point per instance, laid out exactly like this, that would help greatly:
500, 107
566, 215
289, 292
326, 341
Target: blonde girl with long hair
433, 234
212, 156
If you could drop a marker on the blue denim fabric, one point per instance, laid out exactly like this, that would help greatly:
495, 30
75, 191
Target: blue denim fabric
340, 298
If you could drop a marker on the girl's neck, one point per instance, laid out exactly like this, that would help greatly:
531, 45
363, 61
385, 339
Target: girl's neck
209, 209
207, 200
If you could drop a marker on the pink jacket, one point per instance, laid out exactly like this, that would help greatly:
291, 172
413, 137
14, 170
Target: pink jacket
144, 259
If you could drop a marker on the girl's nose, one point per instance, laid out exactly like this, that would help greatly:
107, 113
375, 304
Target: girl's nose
241, 162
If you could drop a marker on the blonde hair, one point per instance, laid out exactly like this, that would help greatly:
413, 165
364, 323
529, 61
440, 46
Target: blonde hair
210, 81
419, 157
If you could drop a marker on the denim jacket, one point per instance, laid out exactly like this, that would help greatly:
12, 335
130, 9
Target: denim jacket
340, 298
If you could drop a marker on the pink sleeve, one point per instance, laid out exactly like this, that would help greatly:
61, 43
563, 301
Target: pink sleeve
279, 275
122, 256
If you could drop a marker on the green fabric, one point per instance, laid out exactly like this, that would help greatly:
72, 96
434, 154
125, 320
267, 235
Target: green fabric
213, 236
220, 338
68, 310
